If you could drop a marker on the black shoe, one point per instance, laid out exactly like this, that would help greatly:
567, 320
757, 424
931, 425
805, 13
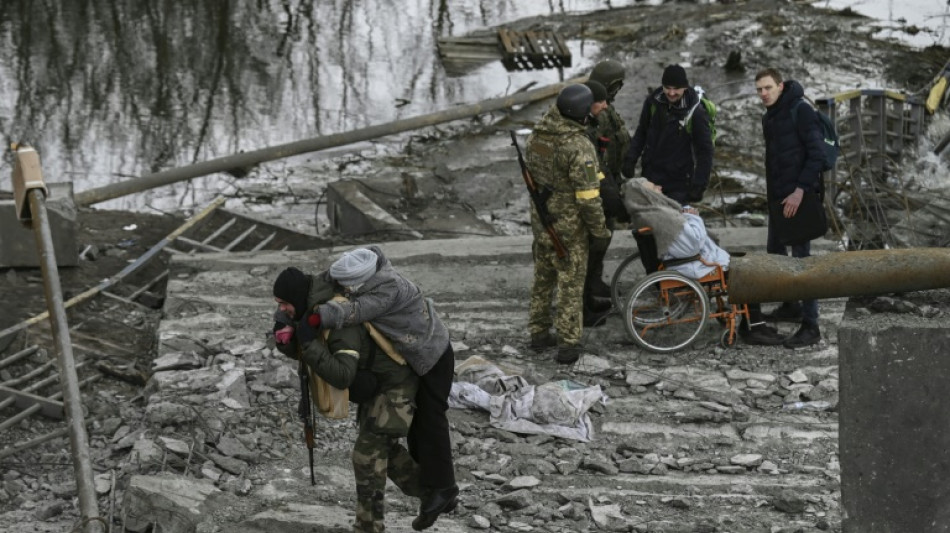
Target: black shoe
787, 312
806, 335
761, 335
598, 304
542, 341
594, 319
599, 289
568, 355
438, 502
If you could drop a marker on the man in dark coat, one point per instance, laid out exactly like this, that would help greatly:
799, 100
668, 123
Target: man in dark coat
793, 160
673, 140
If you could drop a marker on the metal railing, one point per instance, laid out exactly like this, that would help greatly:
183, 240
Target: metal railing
876, 129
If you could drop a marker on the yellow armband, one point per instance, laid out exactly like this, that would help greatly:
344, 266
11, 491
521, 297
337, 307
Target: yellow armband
587, 194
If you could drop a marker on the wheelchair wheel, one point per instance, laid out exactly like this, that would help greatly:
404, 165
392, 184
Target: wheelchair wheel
666, 311
625, 278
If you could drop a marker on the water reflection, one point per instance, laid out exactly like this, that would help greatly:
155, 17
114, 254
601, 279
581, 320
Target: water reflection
111, 89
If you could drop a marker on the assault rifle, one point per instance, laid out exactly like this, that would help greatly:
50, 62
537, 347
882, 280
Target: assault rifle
305, 412
540, 200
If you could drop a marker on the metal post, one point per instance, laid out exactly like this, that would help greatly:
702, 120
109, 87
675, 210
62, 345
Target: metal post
28, 181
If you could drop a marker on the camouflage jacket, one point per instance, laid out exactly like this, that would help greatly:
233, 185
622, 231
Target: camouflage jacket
391, 410
562, 159
613, 130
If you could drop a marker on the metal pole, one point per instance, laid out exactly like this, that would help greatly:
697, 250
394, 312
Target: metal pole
244, 159
777, 278
82, 466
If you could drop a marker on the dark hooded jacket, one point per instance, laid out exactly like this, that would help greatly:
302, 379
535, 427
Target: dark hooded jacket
793, 148
672, 157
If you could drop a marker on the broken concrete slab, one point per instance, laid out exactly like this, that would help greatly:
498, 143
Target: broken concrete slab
177, 504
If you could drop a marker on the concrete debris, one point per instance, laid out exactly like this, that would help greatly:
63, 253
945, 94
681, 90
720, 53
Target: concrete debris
179, 505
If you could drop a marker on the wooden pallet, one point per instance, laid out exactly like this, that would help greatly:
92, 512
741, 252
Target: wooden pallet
530, 50
533, 50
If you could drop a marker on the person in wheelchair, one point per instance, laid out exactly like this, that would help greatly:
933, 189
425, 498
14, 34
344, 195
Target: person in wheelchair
680, 233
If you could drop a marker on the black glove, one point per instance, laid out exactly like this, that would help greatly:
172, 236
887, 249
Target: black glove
305, 332
696, 193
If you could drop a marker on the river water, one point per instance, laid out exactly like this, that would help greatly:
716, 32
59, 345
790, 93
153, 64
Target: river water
108, 90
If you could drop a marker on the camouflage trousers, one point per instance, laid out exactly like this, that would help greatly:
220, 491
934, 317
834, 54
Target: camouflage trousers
567, 277
376, 456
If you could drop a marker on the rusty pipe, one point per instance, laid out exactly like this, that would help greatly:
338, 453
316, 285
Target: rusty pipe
776, 278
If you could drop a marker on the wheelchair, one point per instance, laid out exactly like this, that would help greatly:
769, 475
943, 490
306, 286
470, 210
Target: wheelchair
666, 311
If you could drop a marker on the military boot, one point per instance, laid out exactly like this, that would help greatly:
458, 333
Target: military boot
568, 354
542, 341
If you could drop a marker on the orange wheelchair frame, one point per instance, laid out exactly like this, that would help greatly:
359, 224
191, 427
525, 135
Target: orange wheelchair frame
666, 311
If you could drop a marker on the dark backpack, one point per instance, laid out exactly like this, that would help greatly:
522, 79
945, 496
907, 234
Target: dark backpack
828, 135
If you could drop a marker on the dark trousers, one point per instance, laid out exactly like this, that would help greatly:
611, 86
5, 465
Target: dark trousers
428, 439
772, 246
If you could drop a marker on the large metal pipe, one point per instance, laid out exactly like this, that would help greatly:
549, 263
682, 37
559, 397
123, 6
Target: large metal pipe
72, 403
775, 278
245, 159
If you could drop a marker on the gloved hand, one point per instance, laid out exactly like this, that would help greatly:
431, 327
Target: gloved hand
314, 320
308, 328
696, 193
284, 335
600, 244
283, 327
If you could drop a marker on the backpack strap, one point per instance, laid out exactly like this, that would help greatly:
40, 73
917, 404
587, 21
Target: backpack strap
689, 116
384, 344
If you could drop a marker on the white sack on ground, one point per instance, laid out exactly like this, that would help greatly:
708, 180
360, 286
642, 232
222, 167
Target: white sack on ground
557, 408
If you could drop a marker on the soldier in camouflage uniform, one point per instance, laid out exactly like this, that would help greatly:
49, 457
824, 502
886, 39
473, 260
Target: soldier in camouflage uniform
611, 138
562, 160
343, 358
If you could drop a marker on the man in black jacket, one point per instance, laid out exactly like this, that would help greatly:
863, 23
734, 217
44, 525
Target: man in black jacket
793, 160
673, 140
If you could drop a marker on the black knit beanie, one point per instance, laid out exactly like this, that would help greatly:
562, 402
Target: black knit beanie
293, 286
675, 76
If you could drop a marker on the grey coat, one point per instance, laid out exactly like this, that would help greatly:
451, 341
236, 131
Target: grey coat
396, 307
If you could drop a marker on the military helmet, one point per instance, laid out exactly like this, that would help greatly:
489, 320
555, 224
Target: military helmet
610, 74
574, 101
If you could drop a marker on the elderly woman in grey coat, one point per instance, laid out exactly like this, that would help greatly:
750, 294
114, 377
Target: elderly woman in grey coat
680, 232
396, 307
